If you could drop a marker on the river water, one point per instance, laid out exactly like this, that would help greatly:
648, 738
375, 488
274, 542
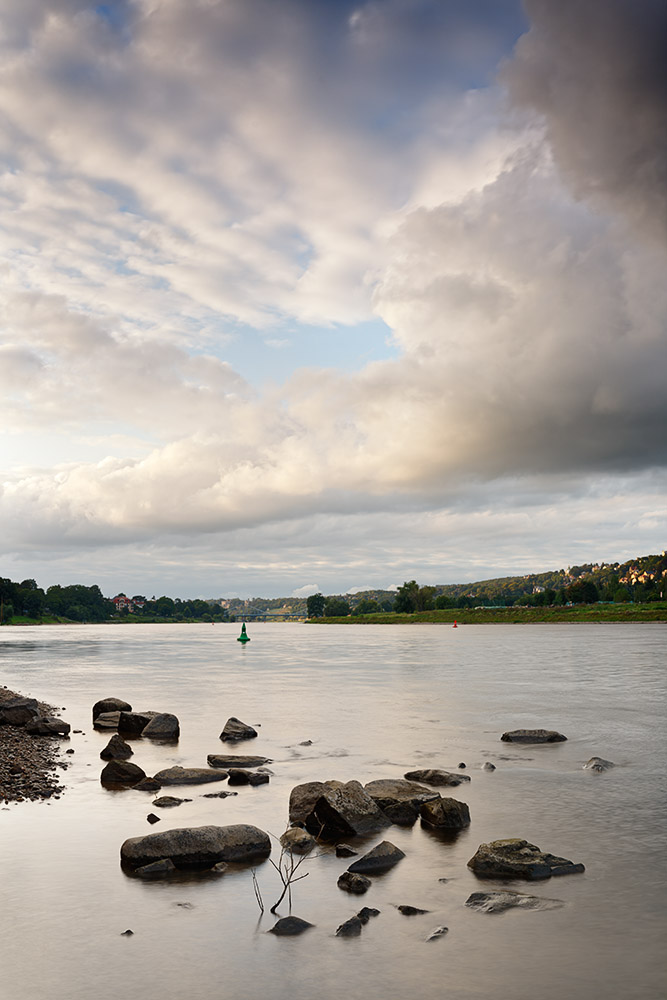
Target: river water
376, 701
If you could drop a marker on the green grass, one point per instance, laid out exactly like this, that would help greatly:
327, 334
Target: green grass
654, 612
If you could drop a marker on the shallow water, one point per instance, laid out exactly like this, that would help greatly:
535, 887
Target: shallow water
376, 701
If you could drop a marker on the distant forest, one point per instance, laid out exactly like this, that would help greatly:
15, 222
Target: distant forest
638, 580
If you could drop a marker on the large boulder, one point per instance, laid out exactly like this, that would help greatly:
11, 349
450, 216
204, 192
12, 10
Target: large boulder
236, 730
133, 723
517, 858
380, 859
505, 899
433, 776
120, 773
228, 760
116, 749
445, 814
110, 705
18, 711
345, 810
201, 846
164, 726
47, 725
533, 736
107, 720
178, 775
303, 798
398, 799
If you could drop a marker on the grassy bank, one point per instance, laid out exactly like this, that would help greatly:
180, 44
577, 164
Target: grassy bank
654, 612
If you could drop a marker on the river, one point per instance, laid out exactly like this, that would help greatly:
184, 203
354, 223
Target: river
376, 701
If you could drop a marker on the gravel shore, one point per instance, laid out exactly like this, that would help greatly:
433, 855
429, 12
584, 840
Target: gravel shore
29, 765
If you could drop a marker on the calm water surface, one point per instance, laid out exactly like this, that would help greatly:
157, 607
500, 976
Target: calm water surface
376, 701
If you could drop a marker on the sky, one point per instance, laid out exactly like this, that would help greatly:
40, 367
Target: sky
329, 295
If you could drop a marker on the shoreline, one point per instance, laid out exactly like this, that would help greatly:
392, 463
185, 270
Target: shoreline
28, 764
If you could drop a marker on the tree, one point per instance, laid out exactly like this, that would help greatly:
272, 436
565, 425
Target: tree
315, 605
442, 601
406, 597
366, 607
336, 607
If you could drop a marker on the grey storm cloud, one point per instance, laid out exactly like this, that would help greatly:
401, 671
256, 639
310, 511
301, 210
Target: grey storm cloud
597, 71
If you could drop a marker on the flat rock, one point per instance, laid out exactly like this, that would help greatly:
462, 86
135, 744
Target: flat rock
121, 773
228, 760
517, 858
598, 764
351, 928
433, 776
289, 926
399, 799
240, 776
157, 869
498, 902
169, 801
380, 859
47, 725
110, 705
178, 775
107, 720
18, 711
345, 810
410, 911
202, 846
116, 749
445, 814
533, 736
297, 841
164, 726
235, 730
357, 884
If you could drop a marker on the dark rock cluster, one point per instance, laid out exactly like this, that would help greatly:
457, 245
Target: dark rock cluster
29, 749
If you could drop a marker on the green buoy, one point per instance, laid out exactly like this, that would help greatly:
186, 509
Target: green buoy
244, 637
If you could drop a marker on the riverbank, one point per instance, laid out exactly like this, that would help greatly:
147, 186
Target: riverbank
29, 765
572, 615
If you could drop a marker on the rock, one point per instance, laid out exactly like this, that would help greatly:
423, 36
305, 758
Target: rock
345, 851
178, 775
436, 933
518, 859
598, 764
134, 723
236, 730
127, 933
147, 785
289, 926
533, 736
357, 884
410, 911
116, 749
197, 846
366, 912
110, 705
498, 902
107, 720
399, 799
432, 776
47, 725
169, 801
297, 841
18, 711
462, 764
306, 743
164, 726
157, 869
446, 814
228, 760
351, 928
121, 772
215, 795
488, 766
152, 818
239, 776
380, 859
303, 799
343, 810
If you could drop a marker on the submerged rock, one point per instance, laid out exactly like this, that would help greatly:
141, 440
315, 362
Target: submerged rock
446, 814
169, 801
505, 899
236, 730
436, 933
533, 736
357, 884
488, 766
351, 928
345, 851
518, 859
110, 705
598, 764
147, 785
116, 749
157, 869
197, 846
410, 911
433, 776
121, 772
380, 859
178, 775
366, 912
289, 926
239, 776
399, 799
297, 841
228, 760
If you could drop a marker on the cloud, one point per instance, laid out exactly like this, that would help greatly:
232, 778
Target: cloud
306, 590
596, 73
